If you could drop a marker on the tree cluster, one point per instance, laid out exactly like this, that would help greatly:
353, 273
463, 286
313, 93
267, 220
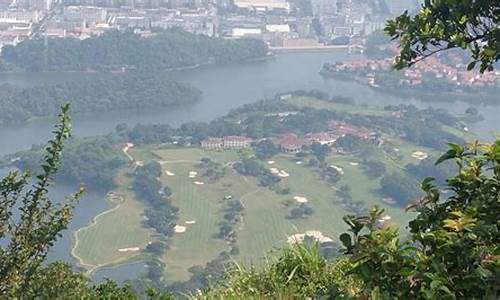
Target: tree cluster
99, 94
114, 50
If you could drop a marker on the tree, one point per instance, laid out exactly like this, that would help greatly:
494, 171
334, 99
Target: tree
266, 149
445, 24
29, 221
320, 151
400, 187
453, 247
374, 168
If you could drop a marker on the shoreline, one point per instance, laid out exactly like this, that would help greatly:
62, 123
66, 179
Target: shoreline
401, 91
309, 49
124, 69
93, 222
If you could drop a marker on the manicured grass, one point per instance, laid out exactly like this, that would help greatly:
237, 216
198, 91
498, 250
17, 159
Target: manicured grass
366, 189
194, 154
322, 104
406, 149
203, 204
120, 227
266, 225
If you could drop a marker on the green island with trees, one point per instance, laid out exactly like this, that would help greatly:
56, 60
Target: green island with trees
98, 94
450, 248
116, 51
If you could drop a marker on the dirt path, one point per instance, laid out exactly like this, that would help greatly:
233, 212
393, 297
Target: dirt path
125, 151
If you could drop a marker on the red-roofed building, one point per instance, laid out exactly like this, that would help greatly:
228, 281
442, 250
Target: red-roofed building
342, 129
289, 143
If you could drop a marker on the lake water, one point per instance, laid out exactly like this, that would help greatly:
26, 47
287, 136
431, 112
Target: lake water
224, 88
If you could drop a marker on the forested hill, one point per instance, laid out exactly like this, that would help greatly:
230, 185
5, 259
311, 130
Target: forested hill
100, 94
171, 48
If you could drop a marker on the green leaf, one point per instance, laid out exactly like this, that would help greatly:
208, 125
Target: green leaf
346, 240
471, 65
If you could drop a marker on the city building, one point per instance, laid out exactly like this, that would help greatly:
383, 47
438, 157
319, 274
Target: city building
226, 142
212, 144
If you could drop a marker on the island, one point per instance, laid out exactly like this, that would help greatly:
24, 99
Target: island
94, 95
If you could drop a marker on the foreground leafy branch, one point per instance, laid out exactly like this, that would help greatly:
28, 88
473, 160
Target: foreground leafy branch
30, 222
453, 250
446, 24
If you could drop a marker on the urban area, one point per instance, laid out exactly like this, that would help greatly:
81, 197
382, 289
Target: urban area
284, 25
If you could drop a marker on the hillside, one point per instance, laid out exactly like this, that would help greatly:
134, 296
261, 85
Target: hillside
242, 202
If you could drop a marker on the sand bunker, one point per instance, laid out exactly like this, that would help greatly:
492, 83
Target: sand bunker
299, 162
338, 169
199, 183
131, 249
190, 222
318, 236
179, 229
169, 173
396, 149
282, 173
300, 199
419, 155
352, 163
271, 162
192, 174
139, 163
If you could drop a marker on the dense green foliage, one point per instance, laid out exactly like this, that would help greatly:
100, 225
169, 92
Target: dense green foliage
259, 120
453, 248
399, 187
59, 281
93, 162
452, 251
114, 50
299, 272
99, 94
265, 149
252, 167
161, 214
29, 221
447, 24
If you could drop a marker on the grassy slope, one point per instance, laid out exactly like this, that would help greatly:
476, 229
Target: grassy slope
264, 226
119, 227
321, 104
201, 203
